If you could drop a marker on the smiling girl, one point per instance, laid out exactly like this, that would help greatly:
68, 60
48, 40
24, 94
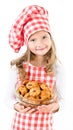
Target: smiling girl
38, 63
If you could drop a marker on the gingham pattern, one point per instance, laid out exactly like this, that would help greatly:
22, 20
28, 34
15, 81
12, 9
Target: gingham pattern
37, 121
39, 74
31, 19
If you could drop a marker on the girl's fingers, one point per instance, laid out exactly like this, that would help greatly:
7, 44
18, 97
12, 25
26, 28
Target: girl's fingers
32, 110
18, 107
29, 110
43, 108
23, 109
49, 108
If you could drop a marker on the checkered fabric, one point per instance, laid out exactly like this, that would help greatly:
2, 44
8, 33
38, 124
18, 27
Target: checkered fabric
32, 19
39, 74
36, 121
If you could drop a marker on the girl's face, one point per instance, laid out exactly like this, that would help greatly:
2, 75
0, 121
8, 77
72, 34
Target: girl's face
39, 43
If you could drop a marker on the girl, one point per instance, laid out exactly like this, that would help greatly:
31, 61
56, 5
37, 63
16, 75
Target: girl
39, 63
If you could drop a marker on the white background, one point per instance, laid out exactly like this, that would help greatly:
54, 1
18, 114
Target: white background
61, 21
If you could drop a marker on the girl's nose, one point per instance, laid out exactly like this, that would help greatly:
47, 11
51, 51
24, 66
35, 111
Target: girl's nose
39, 42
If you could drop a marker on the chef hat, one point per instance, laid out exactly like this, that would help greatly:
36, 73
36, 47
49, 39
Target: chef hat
32, 19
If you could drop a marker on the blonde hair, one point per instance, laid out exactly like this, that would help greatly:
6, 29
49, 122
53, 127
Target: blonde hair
50, 58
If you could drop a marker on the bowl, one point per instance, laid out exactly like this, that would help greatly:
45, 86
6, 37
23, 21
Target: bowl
34, 93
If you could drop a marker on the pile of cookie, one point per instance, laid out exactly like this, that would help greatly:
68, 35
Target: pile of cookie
34, 92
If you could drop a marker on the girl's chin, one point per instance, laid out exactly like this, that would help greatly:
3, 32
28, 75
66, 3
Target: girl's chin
41, 53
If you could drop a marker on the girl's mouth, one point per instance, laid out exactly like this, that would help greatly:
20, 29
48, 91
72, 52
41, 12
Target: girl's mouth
40, 49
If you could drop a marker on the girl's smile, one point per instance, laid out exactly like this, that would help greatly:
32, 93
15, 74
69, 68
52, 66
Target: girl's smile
41, 48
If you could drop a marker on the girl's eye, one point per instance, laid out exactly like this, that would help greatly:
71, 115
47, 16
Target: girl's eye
32, 40
44, 37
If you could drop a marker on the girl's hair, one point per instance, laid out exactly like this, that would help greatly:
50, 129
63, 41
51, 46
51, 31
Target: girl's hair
50, 58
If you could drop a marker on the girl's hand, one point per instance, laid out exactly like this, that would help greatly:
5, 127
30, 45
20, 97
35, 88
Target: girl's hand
53, 107
23, 109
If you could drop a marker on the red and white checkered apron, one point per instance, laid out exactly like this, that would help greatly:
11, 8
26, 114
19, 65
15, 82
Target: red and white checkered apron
36, 121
